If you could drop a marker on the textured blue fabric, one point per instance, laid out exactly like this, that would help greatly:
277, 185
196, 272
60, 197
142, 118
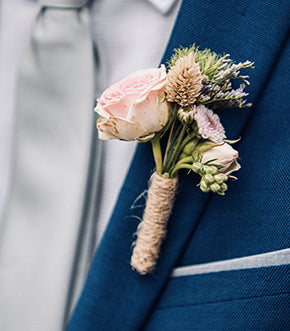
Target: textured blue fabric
251, 219
254, 299
254, 216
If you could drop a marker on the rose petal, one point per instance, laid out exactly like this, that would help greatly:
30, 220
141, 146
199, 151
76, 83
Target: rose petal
135, 106
224, 154
234, 166
163, 109
152, 113
104, 133
101, 111
119, 128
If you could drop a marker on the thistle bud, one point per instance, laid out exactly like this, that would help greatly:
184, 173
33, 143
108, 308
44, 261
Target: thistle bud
186, 115
184, 81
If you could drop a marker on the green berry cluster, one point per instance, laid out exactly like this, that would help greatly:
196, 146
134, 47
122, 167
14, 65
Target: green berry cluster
211, 179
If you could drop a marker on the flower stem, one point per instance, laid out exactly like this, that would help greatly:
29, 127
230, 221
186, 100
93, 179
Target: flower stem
168, 142
188, 159
187, 139
180, 166
175, 134
157, 153
176, 149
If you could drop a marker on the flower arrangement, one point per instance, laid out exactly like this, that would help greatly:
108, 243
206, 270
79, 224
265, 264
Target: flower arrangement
175, 105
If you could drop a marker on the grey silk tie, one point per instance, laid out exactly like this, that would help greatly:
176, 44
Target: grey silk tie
50, 212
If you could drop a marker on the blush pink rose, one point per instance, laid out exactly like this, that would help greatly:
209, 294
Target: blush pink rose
135, 107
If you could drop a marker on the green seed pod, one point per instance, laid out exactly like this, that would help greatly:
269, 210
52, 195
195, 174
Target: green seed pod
182, 156
215, 187
224, 187
203, 186
206, 168
208, 178
205, 190
196, 167
212, 170
189, 147
220, 178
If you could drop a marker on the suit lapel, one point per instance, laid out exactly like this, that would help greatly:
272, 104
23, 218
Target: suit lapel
115, 297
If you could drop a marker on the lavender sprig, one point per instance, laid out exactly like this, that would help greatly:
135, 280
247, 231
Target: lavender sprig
223, 97
233, 72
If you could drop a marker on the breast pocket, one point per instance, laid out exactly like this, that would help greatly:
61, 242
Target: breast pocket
246, 299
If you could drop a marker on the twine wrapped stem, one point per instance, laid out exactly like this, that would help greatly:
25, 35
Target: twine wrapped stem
152, 229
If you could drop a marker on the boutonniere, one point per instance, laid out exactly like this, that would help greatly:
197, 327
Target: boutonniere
175, 104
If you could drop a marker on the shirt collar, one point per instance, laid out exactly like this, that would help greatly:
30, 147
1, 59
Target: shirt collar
163, 6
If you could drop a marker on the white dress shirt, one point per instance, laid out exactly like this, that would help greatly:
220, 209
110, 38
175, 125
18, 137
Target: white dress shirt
16, 18
129, 35
123, 31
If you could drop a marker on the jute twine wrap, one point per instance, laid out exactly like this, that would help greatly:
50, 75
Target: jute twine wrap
152, 229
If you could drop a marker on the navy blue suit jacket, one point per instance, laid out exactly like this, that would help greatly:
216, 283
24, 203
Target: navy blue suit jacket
253, 217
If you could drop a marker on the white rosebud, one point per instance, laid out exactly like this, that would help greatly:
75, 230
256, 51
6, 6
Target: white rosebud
222, 155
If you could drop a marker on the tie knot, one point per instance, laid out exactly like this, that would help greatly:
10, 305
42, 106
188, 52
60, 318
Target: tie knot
63, 3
